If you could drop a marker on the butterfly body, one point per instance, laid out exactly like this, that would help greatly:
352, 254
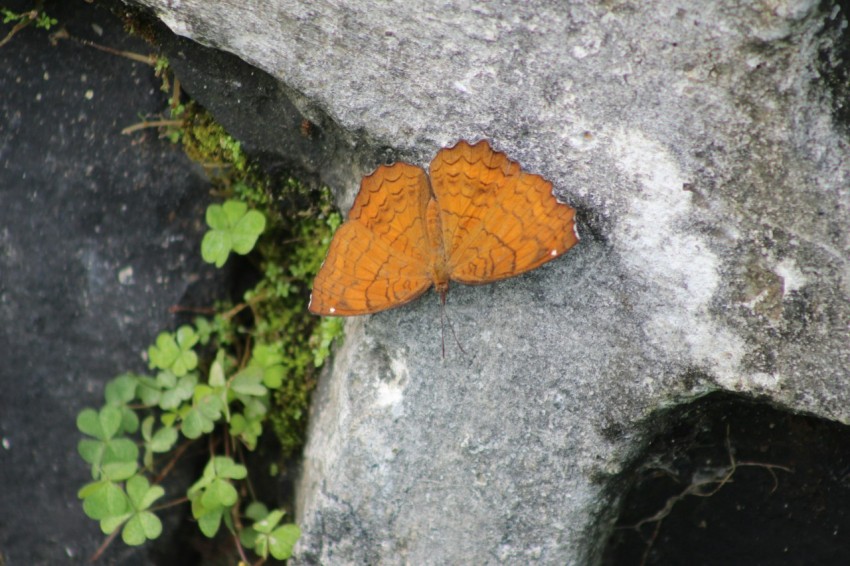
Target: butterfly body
476, 218
439, 268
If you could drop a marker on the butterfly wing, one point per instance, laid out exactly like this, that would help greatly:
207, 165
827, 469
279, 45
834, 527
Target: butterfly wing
498, 221
379, 258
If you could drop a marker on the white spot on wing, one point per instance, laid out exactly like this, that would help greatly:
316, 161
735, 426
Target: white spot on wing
331, 310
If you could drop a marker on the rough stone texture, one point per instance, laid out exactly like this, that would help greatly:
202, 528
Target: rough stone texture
99, 235
702, 144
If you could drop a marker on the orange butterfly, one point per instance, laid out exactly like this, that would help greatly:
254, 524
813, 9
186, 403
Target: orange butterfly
479, 218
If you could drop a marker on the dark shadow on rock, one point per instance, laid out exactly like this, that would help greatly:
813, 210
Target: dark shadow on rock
99, 236
285, 133
786, 501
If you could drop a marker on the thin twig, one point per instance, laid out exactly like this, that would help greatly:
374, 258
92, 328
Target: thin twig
695, 488
151, 124
171, 463
174, 503
137, 57
102, 548
31, 16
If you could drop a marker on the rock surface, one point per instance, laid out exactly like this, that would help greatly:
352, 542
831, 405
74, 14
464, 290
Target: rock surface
704, 147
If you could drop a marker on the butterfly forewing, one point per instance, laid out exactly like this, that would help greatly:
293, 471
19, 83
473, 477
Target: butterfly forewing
498, 221
379, 258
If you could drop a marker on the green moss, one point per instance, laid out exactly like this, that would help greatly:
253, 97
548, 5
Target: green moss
288, 255
292, 251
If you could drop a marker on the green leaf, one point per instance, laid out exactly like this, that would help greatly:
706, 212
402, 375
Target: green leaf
249, 381
204, 329
219, 494
186, 338
119, 471
140, 528
273, 376
108, 503
218, 467
182, 390
166, 380
201, 416
267, 524
210, 405
141, 493
234, 210
246, 231
265, 536
195, 424
247, 431
215, 247
147, 428
256, 511
222, 217
328, 330
248, 538
226, 468
120, 450
164, 353
102, 425
129, 420
233, 228
282, 540
102, 453
104, 499
216, 377
121, 390
210, 522
163, 440
255, 408
91, 450
168, 419
174, 352
270, 359
149, 391
109, 524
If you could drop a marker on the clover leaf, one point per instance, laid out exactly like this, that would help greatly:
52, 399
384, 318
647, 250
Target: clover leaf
103, 499
248, 431
249, 382
107, 448
201, 416
139, 523
213, 494
270, 359
174, 352
156, 442
233, 228
176, 390
149, 391
266, 537
119, 392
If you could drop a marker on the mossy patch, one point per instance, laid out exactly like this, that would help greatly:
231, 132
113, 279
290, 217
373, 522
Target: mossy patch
287, 257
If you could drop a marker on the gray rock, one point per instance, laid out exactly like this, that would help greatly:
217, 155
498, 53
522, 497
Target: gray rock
704, 147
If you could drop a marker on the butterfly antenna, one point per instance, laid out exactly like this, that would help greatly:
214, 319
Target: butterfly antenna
443, 322
443, 319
